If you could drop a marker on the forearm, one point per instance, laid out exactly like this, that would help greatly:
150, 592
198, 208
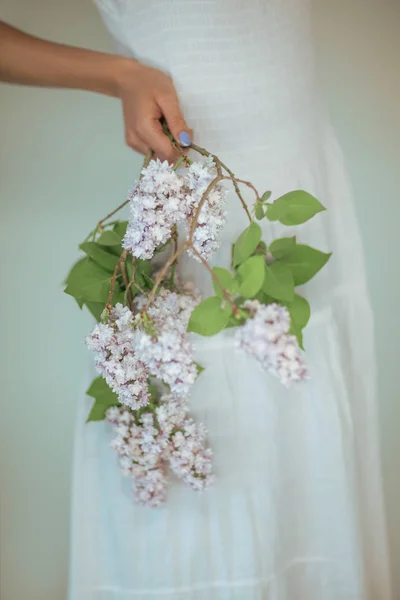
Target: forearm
28, 60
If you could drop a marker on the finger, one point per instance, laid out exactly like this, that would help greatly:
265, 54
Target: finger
152, 134
169, 106
133, 141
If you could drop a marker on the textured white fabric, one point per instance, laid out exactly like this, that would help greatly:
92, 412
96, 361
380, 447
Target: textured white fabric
297, 511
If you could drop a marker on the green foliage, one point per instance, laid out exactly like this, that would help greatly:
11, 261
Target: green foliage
294, 264
102, 257
304, 262
89, 279
153, 391
96, 309
278, 282
88, 282
209, 317
199, 368
104, 398
250, 275
300, 311
142, 273
149, 283
80, 302
282, 246
265, 197
227, 280
246, 243
259, 211
261, 248
294, 208
120, 228
109, 238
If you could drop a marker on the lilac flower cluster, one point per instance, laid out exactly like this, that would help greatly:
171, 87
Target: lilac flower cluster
212, 217
265, 336
155, 206
148, 443
162, 199
115, 358
126, 354
169, 356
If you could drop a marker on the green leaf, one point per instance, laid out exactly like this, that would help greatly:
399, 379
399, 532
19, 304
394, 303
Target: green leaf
109, 238
144, 266
282, 246
142, 271
259, 211
102, 257
153, 391
261, 248
148, 281
265, 197
75, 270
236, 321
96, 309
299, 310
104, 399
89, 282
227, 280
250, 275
305, 262
264, 298
120, 228
246, 243
294, 208
128, 268
209, 317
199, 368
278, 282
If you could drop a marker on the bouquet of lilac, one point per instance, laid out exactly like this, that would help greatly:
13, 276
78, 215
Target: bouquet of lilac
142, 344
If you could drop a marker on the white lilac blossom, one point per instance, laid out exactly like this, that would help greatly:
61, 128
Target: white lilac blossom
146, 444
212, 217
188, 456
168, 306
169, 355
162, 199
116, 360
265, 336
156, 203
126, 354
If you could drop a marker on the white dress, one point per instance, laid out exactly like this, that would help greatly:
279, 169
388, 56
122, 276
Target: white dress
297, 512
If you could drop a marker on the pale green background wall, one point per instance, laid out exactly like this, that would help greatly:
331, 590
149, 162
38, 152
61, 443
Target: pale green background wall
62, 165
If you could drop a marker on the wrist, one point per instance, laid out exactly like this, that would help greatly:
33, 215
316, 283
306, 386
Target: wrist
122, 71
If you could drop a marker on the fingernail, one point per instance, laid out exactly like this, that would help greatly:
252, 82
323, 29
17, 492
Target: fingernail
185, 139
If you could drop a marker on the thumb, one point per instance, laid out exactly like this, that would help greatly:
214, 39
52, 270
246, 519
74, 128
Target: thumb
176, 123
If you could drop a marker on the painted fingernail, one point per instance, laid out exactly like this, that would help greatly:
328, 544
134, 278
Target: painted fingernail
185, 139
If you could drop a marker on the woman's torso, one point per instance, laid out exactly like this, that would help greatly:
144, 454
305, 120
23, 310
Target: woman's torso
245, 75
243, 69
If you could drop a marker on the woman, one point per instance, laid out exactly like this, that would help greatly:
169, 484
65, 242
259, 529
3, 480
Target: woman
297, 511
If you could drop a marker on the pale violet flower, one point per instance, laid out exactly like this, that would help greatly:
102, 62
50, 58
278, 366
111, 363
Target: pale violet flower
125, 354
115, 359
146, 445
156, 206
212, 217
162, 199
265, 335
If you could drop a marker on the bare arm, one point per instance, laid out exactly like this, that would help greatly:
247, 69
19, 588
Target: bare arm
147, 94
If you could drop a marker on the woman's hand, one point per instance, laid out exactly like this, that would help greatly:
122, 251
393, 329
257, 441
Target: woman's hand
147, 95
